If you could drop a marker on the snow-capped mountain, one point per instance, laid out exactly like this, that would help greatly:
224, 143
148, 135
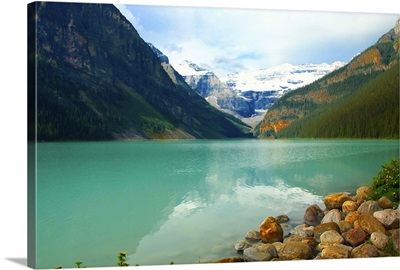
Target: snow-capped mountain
217, 93
188, 68
251, 93
279, 78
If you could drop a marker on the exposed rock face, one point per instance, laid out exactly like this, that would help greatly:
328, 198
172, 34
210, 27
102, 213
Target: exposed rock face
313, 215
271, 231
217, 93
378, 58
335, 201
109, 81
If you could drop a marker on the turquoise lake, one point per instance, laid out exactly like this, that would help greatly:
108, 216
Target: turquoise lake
184, 201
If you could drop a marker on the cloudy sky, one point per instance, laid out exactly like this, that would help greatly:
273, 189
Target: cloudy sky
228, 40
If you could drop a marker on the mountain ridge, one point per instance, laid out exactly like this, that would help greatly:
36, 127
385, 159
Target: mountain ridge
249, 94
98, 79
296, 113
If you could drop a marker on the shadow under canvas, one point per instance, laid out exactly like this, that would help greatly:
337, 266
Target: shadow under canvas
20, 261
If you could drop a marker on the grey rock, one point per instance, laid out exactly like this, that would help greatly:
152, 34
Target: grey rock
379, 240
260, 252
389, 218
333, 215
253, 235
313, 215
239, 246
282, 218
369, 207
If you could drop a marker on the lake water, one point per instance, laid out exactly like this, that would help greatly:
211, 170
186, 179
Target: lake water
184, 201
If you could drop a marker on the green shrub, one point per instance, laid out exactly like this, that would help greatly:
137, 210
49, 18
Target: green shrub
122, 259
386, 183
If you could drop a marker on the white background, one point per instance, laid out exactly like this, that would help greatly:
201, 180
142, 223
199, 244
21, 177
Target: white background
13, 203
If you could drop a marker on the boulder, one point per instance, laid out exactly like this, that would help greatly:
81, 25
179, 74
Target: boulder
271, 231
282, 218
355, 237
331, 237
295, 251
349, 206
310, 241
303, 230
293, 238
278, 246
231, 260
389, 218
336, 251
364, 251
369, 224
239, 246
313, 215
379, 240
253, 235
345, 226
385, 203
396, 239
369, 207
352, 216
362, 193
333, 215
260, 252
335, 201
320, 229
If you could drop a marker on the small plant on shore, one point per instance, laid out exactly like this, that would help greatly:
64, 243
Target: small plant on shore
386, 183
122, 259
78, 264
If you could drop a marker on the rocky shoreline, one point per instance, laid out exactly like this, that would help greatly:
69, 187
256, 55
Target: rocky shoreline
349, 227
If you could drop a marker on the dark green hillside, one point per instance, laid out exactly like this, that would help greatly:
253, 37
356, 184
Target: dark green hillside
370, 112
97, 79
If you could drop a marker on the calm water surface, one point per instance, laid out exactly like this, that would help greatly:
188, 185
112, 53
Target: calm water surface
184, 201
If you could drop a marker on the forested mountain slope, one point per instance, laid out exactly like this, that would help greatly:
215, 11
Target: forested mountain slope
359, 100
97, 79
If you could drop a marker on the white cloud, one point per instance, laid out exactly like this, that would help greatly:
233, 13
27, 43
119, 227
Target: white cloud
230, 40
